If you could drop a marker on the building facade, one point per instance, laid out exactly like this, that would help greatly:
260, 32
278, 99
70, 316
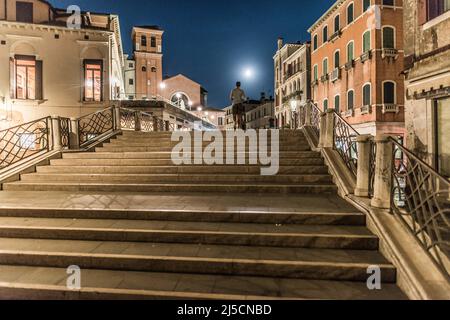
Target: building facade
184, 92
261, 117
357, 60
427, 74
212, 115
292, 80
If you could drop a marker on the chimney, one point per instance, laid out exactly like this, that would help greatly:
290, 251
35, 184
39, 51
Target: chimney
280, 43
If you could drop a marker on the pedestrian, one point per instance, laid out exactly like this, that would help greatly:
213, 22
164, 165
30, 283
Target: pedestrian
238, 98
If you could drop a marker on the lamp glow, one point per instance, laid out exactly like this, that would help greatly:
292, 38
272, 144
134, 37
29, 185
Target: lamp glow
162, 85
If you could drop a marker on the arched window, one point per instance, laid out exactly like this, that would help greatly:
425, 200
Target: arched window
337, 103
337, 59
366, 5
315, 44
144, 69
367, 100
388, 2
325, 67
180, 100
350, 55
366, 41
350, 13
153, 69
350, 100
316, 72
325, 105
389, 92
337, 24
388, 38
325, 34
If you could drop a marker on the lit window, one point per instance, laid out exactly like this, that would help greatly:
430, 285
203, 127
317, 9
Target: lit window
26, 78
93, 83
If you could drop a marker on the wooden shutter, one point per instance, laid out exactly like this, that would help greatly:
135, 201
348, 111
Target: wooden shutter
12, 78
39, 86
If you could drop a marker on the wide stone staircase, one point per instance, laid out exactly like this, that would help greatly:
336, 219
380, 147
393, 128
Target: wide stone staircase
207, 232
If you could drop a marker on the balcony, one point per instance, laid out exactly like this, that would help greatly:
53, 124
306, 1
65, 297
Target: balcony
324, 78
350, 65
335, 35
314, 83
294, 95
335, 74
366, 56
366, 109
389, 53
348, 113
390, 108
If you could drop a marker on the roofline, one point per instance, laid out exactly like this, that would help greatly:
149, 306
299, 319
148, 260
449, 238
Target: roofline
286, 45
147, 30
325, 15
182, 75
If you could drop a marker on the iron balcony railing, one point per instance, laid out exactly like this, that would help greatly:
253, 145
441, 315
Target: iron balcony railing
421, 198
23, 141
93, 126
345, 142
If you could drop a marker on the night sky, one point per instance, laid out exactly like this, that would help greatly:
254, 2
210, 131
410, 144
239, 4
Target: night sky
214, 41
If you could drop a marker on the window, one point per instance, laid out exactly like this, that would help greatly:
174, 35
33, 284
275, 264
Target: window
350, 52
325, 67
366, 41
337, 103
325, 105
24, 12
143, 41
389, 92
336, 59
350, 100
350, 13
153, 69
144, 69
130, 65
366, 5
367, 100
316, 72
388, 2
388, 38
130, 82
153, 42
437, 7
315, 44
26, 78
93, 80
442, 143
337, 23
325, 34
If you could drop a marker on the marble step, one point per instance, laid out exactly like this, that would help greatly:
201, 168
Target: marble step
177, 178
346, 217
170, 142
203, 259
104, 160
45, 283
180, 187
294, 155
180, 169
114, 148
244, 234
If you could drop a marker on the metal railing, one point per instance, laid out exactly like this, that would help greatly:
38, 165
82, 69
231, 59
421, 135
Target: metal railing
127, 119
65, 130
372, 167
421, 198
23, 141
94, 125
345, 142
315, 119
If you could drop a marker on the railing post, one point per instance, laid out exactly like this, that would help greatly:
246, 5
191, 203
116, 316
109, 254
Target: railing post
155, 124
137, 121
74, 134
117, 120
308, 114
326, 139
363, 171
56, 133
167, 126
383, 173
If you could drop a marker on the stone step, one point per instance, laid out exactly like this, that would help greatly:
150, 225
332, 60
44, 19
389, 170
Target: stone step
180, 187
311, 264
179, 169
177, 178
220, 233
124, 161
169, 141
113, 148
44, 283
167, 155
125, 133
347, 218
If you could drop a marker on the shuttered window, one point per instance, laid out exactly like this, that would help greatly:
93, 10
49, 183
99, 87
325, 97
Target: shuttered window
325, 67
337, 103
315, 44
366, 95
388, 38
25, 78
350, 100
366, 42
325, 34
336, 23
350, 14
336, 59
325, 105
350, 52
366, 5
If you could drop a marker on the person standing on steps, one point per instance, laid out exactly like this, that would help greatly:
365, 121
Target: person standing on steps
238, 98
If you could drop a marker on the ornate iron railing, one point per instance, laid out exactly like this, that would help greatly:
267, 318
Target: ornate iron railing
372, 165
302, 116
127, 119
421, 198
344, 142
315, 119
23, 141
94, 125
65, 129
147, 122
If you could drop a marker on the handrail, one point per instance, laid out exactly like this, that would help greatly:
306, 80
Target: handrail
421, 198
344, 142
95, 125
315, 119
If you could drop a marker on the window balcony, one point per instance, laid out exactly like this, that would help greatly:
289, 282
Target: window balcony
335, 74
390, 108
389, 53
348, 113
350, 65
366, 109
314, 82
366, 56
336, 35
324, 78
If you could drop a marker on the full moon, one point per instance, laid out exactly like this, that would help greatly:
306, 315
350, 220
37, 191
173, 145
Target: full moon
248, 73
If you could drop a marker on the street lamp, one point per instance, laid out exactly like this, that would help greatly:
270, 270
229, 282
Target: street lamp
162, 85
293, 114
190, 103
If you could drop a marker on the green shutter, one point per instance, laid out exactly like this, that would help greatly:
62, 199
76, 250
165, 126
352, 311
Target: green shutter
350, 52
366, 42
325, 67
337, 104
388, 38
325, 105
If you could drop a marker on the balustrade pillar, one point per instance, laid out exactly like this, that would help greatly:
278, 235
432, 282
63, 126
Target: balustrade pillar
74, 134
383, 173
117, 118
56, 133
363, 172
327, 129
137, 121
308, 114
155, 124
